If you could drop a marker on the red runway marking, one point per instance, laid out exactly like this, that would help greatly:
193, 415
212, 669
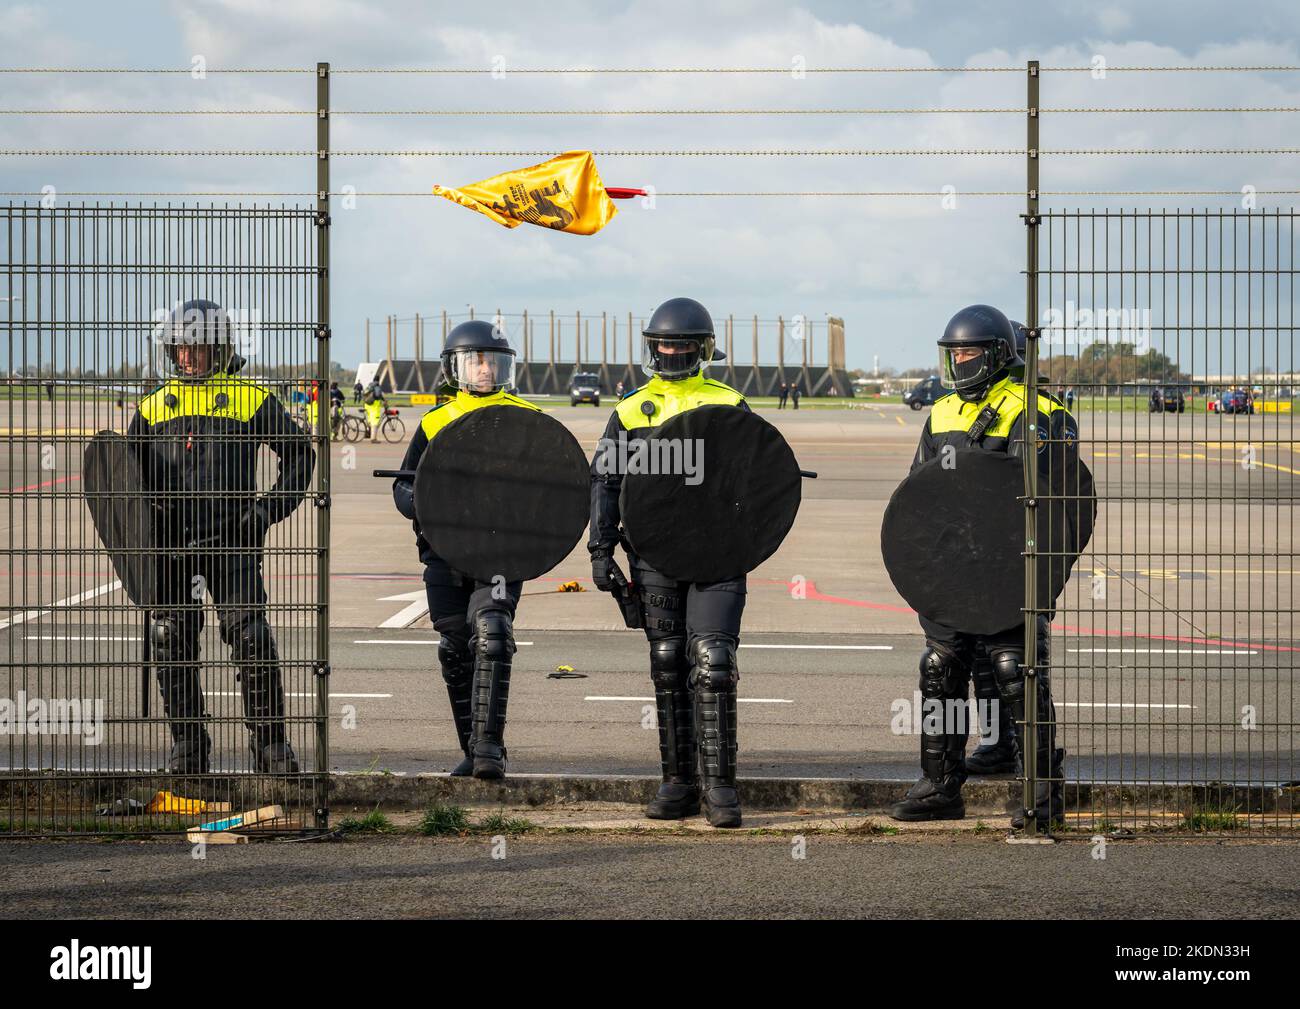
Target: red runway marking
811, 592
47, 483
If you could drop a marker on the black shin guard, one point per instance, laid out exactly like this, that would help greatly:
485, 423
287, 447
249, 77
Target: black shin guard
174, 647
679, 794
1008, 666
993, 755
713, 679
493, 646
457, 664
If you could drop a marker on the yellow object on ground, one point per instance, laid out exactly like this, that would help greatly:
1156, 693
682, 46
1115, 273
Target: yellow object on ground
166, 802
563, 669
571, 587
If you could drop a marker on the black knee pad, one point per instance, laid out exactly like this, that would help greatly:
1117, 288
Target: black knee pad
715, 663
1007, 672
456, 660
668, 666
253, 641
942, 674
494, 636
172, 638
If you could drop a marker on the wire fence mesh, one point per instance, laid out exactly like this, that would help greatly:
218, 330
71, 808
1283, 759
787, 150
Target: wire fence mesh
1171, 334
161, 613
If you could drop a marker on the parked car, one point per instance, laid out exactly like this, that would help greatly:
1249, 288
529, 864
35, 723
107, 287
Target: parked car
924, 393
584, 387
1236, 401
1166, 399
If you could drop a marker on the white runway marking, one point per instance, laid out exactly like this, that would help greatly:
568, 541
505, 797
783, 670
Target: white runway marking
1164, 651
77, 637
80, 597
1120, 704
419, 606
832, 648
739, 700
430, 641
234, 693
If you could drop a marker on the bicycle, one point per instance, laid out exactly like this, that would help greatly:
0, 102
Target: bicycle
392, 428
354, 427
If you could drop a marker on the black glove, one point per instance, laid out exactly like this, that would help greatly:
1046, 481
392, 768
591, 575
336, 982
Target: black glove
605, 570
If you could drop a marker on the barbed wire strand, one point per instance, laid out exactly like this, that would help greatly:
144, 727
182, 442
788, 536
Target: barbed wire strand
770, 153
714, 193
640, 112
505, 71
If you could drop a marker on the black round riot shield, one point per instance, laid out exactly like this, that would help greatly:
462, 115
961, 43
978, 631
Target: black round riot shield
503, 492
953, 538
710, 495
121, 512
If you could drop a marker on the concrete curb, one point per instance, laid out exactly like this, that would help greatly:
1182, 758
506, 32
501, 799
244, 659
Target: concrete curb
990, 797
534, 790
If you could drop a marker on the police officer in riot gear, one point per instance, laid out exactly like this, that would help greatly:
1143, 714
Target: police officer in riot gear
693, 629
985, 411
197, 438
475, 619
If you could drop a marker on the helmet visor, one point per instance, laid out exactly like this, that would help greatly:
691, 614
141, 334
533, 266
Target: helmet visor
481, 371
965, 367
670, 356
194, 345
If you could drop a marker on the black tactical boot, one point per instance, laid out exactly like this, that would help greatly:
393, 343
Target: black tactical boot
679, 795
714, 680
189, 755
458, 673
276, 757
931, 800
493, 646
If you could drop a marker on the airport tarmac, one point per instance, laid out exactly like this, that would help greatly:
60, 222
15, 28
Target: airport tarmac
1177, 630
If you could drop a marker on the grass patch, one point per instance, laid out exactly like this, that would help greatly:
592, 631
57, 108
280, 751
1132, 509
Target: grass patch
373, 822
439, 820
1212, 819
499, 823
872, 828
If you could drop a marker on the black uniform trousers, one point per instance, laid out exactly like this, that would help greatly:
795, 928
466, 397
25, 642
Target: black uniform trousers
234, 581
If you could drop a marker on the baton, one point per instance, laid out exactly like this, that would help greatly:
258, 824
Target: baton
622, 592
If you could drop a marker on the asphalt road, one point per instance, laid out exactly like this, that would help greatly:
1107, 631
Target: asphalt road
619, 876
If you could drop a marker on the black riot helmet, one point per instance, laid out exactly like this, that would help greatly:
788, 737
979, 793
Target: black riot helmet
196, 341
1017, 368
678, 340
976, 349
478, 359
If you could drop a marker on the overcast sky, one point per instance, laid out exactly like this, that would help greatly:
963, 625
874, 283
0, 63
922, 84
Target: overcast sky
894, 268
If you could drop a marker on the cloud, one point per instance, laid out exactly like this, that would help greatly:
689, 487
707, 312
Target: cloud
895, 268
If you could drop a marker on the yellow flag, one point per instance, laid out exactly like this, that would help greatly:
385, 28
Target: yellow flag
565, 194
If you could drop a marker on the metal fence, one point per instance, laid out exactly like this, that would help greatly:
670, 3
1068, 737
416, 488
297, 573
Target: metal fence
1173, 654
114, 663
